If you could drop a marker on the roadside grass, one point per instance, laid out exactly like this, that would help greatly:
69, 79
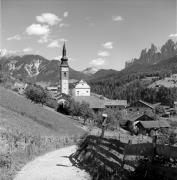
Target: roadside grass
28, 130
22, 139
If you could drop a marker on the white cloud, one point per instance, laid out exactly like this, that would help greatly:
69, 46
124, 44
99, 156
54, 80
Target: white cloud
57, 58
54, 44
65, 14
5, 52
43, 39
63, 40
103, 53
117, 18
108, 45
48, 18
63, 25
173, 35
98, 62
15, 37
28, 49
37, 29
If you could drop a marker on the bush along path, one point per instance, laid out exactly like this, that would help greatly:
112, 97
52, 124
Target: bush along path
53, 166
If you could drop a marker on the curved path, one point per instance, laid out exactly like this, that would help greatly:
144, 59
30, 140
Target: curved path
53, 166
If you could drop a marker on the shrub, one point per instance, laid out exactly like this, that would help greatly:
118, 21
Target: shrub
36, 94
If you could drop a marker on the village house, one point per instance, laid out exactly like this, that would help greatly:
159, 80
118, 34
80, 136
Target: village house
52, 89
115, 104
131, 119
94, 102
99, 103
20, 87
81, 89
147, 127
141, 107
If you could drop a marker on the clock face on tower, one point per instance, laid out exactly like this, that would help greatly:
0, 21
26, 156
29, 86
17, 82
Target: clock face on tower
64, 69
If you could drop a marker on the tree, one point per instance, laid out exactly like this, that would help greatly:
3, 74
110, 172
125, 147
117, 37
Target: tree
85, 111
36, 94
113, 118
74, 108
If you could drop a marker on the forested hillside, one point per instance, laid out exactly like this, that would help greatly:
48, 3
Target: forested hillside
128, 83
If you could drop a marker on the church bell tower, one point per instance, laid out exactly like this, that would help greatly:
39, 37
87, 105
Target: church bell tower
64, 72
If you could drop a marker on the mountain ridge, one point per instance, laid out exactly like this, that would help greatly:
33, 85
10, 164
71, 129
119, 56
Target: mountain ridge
38, 68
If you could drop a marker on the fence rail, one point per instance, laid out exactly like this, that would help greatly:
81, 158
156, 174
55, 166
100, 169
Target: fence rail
116, 154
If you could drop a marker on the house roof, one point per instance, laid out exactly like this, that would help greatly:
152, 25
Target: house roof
154, 124
145, 103
82, 85
115, 102
93, 101
133, 116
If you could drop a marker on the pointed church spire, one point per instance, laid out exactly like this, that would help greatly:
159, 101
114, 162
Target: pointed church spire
64, 59
64, 50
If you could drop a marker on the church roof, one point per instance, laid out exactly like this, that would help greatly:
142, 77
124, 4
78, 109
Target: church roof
64, 59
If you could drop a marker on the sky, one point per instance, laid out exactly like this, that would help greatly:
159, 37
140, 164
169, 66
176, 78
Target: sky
100, 33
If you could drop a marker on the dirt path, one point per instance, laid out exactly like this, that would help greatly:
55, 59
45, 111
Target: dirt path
53, 166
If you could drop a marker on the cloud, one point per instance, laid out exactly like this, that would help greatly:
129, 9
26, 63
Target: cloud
103, 53
63, 40
57, 58
54, 44
98, 62
173, 35
117, 18
108, 45
5, 52
37, 29
28, 49
63, 25
43, 39
15, 37
48, 18
65, 14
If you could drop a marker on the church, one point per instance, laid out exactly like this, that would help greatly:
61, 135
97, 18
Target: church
64, 73
81, 88
82, 91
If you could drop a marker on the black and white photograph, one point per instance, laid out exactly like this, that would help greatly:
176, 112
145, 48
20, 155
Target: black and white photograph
88, 89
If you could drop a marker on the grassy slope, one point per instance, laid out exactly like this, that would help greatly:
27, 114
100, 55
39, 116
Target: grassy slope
13, 121
56, 122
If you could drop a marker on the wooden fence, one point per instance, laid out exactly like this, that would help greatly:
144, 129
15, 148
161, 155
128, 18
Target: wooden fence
116, 154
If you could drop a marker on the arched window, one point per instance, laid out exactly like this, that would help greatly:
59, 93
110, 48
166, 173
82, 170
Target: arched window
64, 74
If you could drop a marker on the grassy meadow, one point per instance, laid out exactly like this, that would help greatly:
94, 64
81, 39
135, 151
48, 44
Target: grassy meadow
47, 118
28, 130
